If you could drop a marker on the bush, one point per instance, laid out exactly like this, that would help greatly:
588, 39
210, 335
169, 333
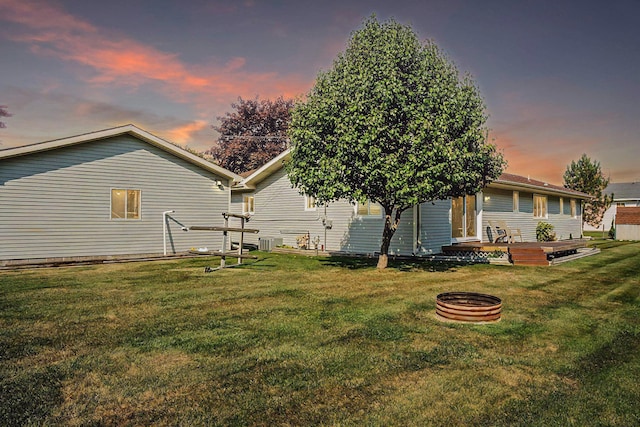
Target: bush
544, 232
612, 230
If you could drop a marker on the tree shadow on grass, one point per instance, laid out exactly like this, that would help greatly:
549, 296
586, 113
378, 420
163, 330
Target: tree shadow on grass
359, 263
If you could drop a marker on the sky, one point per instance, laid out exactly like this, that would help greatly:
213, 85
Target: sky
559, 78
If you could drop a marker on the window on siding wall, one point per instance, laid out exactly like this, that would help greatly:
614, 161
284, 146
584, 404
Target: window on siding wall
125, 204
248, 206
574, 208
369, 209
310, 203
539, 206
516, 201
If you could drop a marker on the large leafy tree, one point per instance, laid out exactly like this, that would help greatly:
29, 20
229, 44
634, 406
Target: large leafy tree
391, 122
585, 175
252, 134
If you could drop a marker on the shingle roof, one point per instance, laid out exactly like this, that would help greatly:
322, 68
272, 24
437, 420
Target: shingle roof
518, 180
624, 190
628, 215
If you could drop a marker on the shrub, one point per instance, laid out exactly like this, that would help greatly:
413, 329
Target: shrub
544, 232
612, 230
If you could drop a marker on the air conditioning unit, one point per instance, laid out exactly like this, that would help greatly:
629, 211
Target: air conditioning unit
268, 243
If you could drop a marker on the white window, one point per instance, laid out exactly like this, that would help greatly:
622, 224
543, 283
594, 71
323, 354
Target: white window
125, 204
369, 209
539, 206
516, 201
574, 208
310, 203
248, 206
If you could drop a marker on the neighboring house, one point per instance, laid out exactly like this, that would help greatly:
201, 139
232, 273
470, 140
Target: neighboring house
104, 193
280, 212
625, 194
628, 223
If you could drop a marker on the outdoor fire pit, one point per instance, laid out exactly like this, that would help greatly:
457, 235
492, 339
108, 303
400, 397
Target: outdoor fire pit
468, 307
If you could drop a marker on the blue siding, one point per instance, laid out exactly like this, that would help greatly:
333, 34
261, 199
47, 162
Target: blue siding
57, 203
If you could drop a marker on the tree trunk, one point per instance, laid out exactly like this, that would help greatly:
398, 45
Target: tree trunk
390, 227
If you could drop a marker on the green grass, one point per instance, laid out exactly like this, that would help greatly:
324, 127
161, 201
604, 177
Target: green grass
330, 341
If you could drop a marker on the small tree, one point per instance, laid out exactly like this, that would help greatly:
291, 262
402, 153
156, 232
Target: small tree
4, 112
393, 123
586, 176
253, 134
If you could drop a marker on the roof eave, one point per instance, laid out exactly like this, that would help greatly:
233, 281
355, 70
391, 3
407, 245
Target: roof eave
249, 183
116, 131
509, 185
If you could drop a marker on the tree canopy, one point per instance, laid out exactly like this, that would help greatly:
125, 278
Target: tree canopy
585, 175
391, 122
252, 134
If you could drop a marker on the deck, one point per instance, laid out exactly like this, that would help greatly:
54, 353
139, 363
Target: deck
523, 253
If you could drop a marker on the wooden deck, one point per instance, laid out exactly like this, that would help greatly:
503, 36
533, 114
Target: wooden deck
522, 253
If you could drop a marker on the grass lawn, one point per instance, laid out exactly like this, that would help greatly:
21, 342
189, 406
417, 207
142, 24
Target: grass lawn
300, 341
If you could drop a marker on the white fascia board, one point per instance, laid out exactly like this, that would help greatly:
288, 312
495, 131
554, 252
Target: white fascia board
506, 185
264, 171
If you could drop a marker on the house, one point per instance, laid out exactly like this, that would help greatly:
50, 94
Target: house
283, 215
524, 202
625, 194
106, 193
628, 223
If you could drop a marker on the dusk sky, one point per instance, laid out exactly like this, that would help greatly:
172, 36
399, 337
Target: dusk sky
559, 78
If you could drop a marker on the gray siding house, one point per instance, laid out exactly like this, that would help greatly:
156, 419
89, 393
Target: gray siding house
107, 193
625, 194
523, 203
280, 212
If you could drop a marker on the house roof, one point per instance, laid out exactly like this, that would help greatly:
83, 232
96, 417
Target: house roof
628, 215
506, 180
263, 172
624, 190
511, 181
116, 131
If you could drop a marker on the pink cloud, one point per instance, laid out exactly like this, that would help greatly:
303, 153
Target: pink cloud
118, 60
183, 134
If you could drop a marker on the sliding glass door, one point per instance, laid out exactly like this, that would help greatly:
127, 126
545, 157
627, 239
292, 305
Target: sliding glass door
463, 217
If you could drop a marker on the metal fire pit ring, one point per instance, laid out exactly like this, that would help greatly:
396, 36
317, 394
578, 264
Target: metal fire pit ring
468, 307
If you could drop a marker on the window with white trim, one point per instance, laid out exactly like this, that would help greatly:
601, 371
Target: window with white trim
310, 203
248, 204
125, 203
539, 206
369, 209
516, 201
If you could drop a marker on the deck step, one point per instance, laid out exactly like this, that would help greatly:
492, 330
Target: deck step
528, 256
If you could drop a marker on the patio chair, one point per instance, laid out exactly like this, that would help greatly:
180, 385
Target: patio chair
496, 233
511, 232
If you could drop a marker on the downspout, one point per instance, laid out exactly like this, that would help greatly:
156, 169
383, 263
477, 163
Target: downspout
416, 229
164, 230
